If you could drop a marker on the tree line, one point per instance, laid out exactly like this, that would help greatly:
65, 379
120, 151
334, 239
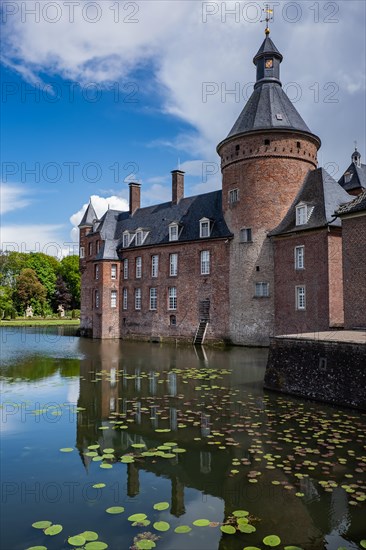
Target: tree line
39, 281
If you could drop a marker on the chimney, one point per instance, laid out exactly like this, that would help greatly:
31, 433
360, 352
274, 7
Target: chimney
177, 186
135, 197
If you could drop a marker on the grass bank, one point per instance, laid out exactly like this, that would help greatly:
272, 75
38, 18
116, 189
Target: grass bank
40, 322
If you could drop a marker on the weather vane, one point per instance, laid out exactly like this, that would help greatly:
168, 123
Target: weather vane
268, 18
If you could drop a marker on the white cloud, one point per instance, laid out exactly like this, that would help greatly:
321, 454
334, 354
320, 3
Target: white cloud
45, 238
101, 205
13, 197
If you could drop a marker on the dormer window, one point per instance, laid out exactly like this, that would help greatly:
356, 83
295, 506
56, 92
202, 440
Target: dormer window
138, 239
173, 232
126, 239
205, 228
301, 214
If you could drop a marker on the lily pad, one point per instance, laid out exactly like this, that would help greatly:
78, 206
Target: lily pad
106, 466
115, 510
53, 530
272, 540
138, 445
99, 485
137, 517
240, 513
89, 535
37, 548
66, 449
294, 548
228, 529
127, 459
161, 506
246, 528
201, 522
96, 545
77, 540
41, 524
145, 544
363, 543
93, 447
183, 529
161, 526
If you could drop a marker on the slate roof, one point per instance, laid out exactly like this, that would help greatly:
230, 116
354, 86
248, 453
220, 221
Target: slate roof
357, 205
156, 220
89, 216
266, 48
358, 177
323, 195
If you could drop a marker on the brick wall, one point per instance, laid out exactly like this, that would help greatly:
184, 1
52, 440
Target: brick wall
354, 270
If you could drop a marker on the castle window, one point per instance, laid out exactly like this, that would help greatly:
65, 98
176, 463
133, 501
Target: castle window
173, 232
173, 321
299, 257
82, 252
138, 299
138, 267
98, 246
90, 249
126, 239
125, 299
300, 298
233, 196
173, 265
125, 268
267, 142
96, 299
205, 262
153, 299
298, 144
301, 214
96, 272
237, 147
204, 228
113, 298
114, 272
138, 239
261, 290
172, 298
246, 235
154, 265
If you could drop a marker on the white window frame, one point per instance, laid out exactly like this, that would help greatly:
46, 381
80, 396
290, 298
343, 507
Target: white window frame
300, 298
233, 195
138, 267
261, 290
153, 299
172, 298
114, 272
96, 272
246, 235
125, 299
299, 253
138, 299
125, 269
139, 238
205, 262
82, 252
96, 299
114, 298
126, 239
301, 214
205, 228
173, 264
155, 265
173, 232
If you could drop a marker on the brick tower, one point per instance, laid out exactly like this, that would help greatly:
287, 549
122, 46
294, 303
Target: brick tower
264, 161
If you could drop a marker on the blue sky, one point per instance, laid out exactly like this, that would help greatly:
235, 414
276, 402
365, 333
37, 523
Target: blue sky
115, 92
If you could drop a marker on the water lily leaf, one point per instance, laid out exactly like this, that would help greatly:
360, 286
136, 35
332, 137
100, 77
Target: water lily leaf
96, 545
97, 459
251, 548
66, 449
89, 535
53, 530
298, 548
106, 466
272, 540
182, 529
228, 529
201, 522
115, 510
143, 523
138, 445
246, 528
93, 447
98, 485
161, 526
37, 548
240, 513
91, 453
161, 506
77, 540
137, 517
363, 543
145, 544
41, 524
127, 459
108, 451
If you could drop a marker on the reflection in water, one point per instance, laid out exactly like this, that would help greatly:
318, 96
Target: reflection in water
214, 443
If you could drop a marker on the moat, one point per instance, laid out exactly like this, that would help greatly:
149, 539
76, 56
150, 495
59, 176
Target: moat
136, 445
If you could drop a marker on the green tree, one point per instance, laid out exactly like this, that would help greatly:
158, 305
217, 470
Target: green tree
62, 295
6, 301
11, 264
46, 268
69, 270
30, 291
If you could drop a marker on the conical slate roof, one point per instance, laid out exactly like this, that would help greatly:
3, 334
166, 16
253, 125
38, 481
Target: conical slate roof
89, 217
267, 47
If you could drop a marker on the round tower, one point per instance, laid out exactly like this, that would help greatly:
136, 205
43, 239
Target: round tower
264, 160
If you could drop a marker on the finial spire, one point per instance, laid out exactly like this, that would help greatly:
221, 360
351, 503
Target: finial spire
267, 19
355, 142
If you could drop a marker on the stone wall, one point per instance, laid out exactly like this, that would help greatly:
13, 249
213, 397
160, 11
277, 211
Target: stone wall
325, 371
